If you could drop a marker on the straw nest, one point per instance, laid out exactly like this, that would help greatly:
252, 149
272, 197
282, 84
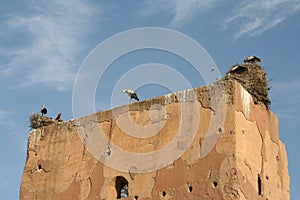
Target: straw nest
253, 78
37, 120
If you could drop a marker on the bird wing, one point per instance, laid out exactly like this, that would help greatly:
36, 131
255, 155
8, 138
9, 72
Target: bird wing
134, 96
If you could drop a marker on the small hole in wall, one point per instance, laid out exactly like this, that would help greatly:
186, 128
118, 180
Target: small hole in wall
39, 167
164, 193
190, 189
121, 187
215, 183
267, 177
136, 197
220, 130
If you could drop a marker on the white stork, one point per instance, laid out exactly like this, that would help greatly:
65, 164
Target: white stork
252, 59
43, 110
132, 94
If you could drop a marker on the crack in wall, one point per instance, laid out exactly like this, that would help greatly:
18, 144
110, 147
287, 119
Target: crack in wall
262, 163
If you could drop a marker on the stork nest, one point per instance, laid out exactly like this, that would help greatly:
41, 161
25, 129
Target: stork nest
37, 120
253, 78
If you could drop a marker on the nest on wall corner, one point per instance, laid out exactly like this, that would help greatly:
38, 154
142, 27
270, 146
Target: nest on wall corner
253, 78
37, 121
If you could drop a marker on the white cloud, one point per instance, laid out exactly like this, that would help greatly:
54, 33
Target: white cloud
4, 118
182, 11
286, 98
54, 37
244, 18
250, 18
2, 114
287, 90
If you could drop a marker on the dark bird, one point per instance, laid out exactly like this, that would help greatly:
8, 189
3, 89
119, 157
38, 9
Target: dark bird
131, 94
58, 118
252, 59
43, 110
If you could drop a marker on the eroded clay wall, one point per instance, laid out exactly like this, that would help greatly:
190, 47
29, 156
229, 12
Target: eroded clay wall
239, 156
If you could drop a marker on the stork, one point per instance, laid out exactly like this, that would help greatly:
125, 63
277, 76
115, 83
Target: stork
132, 94
58, 118
43, 110
252, 59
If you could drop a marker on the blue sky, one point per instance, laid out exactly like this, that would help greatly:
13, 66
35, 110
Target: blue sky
43, 44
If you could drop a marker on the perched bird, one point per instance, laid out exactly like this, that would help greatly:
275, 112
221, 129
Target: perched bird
43, 110
251, 59
238, 69
58, 118
131, 94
